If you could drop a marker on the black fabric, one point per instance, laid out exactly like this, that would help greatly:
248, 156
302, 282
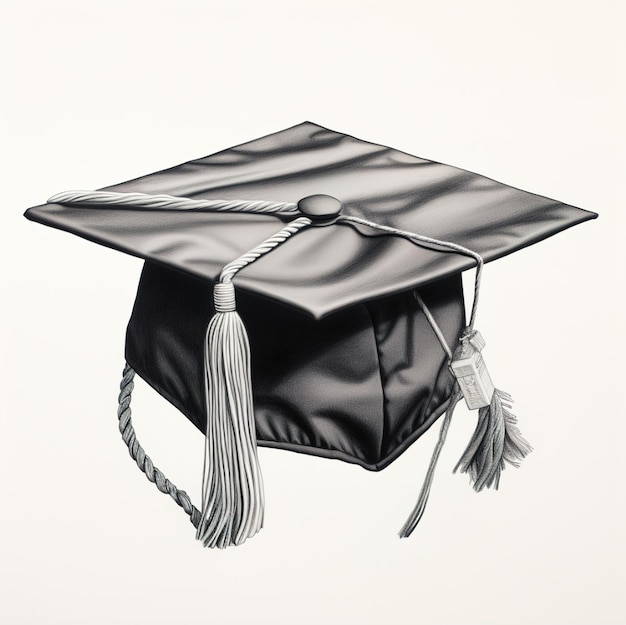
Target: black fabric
359, 385
344, 363
321, 270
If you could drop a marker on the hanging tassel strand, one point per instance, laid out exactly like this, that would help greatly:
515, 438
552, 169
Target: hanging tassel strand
232, 497
420, 506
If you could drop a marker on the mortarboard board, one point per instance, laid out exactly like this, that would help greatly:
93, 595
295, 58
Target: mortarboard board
348, 338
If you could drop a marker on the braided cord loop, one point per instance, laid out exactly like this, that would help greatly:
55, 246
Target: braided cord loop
137, 453
170, 202
232, 268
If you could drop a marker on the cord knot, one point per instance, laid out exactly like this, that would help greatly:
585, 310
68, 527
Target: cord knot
469, 339
224, 297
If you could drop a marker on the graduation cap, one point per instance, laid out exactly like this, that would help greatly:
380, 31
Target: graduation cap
347, 337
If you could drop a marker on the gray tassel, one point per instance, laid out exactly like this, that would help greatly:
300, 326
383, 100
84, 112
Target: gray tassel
496, 442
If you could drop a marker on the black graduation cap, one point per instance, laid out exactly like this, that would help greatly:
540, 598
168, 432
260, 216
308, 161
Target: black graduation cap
348, 337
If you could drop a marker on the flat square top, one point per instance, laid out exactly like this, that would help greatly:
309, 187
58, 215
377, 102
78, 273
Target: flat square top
320, 269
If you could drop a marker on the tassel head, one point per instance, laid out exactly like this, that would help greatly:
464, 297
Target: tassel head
471, 373
224, 297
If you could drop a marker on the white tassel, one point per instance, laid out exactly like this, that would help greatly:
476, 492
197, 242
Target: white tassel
232, 487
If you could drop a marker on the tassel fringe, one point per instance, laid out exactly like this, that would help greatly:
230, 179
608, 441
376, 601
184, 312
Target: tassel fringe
496, 442
232, 487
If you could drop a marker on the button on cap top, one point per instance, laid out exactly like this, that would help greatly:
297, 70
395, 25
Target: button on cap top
319, 206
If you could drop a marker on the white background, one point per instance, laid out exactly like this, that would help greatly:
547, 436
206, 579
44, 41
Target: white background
529, 93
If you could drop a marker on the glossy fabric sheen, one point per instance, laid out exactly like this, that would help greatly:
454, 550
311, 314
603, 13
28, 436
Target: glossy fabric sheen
325, 269
359, 385
344, 363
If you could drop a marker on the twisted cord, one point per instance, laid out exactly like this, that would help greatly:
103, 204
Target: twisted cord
229, 270
138, 454
420, 506
170, 202
434, 325
426, 241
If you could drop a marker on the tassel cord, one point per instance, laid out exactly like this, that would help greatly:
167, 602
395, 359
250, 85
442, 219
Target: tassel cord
431, 243
162, 201
420, 506
138, 454
434, 325
231, 269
